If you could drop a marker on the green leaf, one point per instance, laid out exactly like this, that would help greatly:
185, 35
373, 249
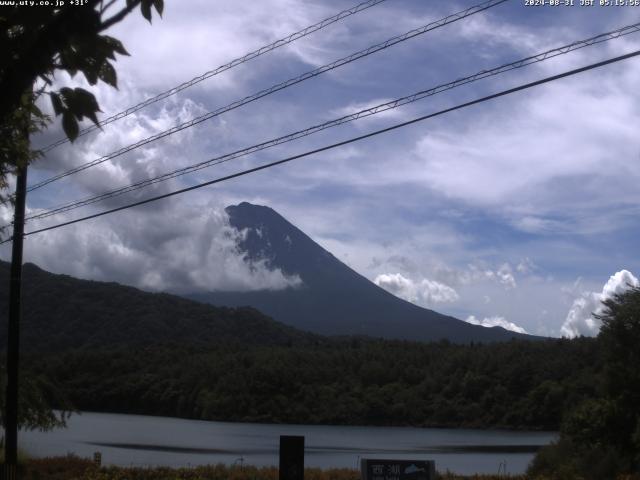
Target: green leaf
71, 102
69, 61
85, 104
80, 103
70, 125
91, 74
159, 4
94, 118
115, 44
67, 95
145, 8
56, 102
103, 49
108, 74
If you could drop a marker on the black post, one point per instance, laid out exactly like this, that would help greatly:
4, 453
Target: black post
291, 457
13, 337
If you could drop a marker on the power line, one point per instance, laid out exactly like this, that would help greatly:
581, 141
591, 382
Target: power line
280, 86
223, 68
339, 144
342, 120
313, 73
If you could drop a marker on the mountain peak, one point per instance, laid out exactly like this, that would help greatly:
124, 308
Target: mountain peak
246, 208
269, 236
334, 299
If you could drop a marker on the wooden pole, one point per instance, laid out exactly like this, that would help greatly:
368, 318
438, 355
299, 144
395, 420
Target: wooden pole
13, 337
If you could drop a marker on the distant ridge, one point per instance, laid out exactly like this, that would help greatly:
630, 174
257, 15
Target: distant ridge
61, 312
334, 299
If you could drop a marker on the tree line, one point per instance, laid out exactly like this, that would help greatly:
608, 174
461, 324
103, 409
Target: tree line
518, 384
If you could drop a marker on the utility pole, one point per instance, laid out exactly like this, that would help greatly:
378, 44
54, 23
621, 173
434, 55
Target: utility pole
13, 337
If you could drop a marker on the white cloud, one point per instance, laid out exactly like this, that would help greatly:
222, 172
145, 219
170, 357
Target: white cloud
580, 319
560, 179
526, 266
534, 224
180, 249
505, 277
495, 35
495, 322
570, 292
141, 164
481, 272
195, 37
423, 292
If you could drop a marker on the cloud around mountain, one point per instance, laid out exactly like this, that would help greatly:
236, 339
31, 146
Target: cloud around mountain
580, 320
422, 292
495, 322
180, 249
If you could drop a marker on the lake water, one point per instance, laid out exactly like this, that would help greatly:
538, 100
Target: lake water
149, 441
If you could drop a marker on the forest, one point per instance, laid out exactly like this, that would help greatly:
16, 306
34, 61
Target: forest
517, 384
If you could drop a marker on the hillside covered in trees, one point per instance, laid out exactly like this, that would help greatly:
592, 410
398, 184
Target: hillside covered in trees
71, 313
355, 382
106, 347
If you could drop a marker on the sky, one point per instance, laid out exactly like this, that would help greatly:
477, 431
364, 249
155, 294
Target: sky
521, 212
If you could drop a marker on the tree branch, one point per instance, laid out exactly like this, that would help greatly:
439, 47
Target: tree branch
119, 16
104, 8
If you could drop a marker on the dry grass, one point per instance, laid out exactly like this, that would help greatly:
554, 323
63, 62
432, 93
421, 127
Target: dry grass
75, 468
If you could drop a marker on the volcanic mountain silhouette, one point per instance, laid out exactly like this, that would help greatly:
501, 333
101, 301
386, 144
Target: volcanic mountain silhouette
333, 299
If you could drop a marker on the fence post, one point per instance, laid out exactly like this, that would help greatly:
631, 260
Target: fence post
291, 457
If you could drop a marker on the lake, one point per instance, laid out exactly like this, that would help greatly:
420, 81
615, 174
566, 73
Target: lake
136, 440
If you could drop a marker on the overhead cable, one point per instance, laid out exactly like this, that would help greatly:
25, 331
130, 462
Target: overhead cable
342, 120
223, 68
339, 144
275, 88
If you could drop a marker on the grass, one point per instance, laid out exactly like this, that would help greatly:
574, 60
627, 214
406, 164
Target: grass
72, 467
22, 456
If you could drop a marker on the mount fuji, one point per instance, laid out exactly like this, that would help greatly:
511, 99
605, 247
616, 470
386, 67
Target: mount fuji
332, 299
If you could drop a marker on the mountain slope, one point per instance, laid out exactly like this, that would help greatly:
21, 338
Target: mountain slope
334, 299
62, 312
